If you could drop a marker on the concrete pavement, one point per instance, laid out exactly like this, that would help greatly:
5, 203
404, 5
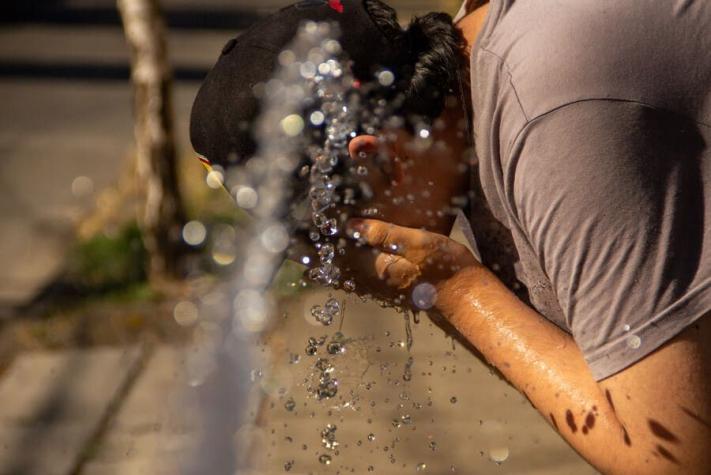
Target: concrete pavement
53, 404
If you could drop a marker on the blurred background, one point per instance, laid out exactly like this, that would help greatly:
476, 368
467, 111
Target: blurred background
101, 295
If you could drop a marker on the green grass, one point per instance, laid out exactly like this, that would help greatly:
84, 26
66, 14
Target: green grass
108, 263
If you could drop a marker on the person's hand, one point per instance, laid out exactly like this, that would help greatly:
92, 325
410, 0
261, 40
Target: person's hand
404, 257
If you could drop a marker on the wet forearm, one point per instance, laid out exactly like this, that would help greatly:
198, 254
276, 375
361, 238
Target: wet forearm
543, 362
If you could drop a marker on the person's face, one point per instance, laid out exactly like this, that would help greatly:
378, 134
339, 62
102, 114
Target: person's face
402, 179
413, 180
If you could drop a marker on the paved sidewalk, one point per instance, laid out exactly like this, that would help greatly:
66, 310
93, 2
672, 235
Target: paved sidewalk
153, 428
54, 403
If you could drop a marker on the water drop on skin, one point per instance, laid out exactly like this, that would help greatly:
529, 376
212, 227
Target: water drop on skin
424, 295
421, 467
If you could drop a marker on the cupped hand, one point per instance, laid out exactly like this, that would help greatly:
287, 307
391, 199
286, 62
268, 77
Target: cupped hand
404, 257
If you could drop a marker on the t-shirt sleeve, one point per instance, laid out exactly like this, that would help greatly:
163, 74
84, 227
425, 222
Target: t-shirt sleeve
610, 195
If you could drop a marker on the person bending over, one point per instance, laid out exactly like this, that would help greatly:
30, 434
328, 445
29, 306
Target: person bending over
590, 127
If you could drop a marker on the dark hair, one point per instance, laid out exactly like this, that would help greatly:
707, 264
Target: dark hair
433, 48
425, 59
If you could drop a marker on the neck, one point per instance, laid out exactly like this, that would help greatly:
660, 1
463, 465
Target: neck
471, 25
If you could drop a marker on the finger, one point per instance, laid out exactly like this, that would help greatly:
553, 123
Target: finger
387, 237
396, 270
416, 245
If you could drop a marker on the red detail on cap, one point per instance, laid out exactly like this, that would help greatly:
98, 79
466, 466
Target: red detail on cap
336, 5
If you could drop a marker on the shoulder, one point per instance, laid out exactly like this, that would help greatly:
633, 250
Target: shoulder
560, 52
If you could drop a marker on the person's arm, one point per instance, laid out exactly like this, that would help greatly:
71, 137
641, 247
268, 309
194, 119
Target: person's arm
653, 417
646, 419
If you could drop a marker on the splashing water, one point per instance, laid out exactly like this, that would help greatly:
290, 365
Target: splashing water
302, 98
328, 437
222, 352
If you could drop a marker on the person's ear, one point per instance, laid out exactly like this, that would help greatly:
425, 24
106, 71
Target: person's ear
364, 146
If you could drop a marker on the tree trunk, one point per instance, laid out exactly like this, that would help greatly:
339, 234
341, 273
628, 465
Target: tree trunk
161, 215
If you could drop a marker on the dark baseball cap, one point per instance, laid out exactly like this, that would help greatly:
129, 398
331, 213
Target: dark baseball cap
226, 106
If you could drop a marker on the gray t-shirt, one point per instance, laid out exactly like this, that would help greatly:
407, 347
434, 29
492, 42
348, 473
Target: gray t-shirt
592, 127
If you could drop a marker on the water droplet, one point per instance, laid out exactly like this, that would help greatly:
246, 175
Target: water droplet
185, 313
626, 328
332, 306
325, 459
215, 179
286, 57
361, 170
292, 124
194, 233
385, 77
82, 186
634, 342
328, 387
275, 238
332, 46
407, 373
371, 437
424, 295
322, 315
288, 465
290, 404
335, 347
421, 467
326, 253
499, 454
316, 118
328, 437
307, 69
349, 286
